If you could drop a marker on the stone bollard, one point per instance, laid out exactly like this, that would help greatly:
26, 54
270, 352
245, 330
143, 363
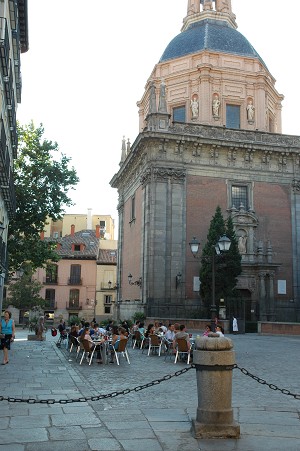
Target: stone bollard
214, 360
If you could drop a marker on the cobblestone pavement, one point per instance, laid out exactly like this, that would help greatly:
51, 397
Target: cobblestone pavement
153, 419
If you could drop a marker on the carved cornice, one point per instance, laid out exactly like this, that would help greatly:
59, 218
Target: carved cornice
214, 147
225, 134
244, 218
163, 175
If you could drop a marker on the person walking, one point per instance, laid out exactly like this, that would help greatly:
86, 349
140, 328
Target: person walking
235, 327
7, 331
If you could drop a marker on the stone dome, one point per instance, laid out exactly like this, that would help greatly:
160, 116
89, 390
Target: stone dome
209, 34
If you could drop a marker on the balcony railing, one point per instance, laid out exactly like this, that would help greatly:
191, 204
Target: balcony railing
52, 305
50, 280
74, 281
4, 47
8, 194
74, 305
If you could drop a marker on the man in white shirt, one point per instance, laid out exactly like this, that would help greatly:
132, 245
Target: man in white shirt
170, 334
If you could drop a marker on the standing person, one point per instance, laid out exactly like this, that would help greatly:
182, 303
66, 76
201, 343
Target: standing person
7, 330
62, 326
235, 327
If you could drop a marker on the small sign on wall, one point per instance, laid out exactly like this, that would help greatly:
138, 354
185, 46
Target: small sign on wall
196, 284
281, 286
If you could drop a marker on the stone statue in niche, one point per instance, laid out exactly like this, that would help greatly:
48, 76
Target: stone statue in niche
242, 243
216, 106
250, 111
194, 107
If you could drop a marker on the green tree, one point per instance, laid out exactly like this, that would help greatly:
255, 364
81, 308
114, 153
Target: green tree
227, 265
42, 179
25, 292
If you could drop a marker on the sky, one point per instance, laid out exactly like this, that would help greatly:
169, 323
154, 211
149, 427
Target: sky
88, 63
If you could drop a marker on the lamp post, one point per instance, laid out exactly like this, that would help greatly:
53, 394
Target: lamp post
222, 245
137, 282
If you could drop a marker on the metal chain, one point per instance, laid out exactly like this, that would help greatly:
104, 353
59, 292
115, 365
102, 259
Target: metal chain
284, 391
98, 397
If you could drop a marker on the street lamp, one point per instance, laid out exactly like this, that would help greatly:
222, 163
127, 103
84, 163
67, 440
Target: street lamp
223, 245
178, 280
136, 282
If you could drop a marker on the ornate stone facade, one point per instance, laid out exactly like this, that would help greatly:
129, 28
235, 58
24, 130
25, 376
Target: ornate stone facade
188, 159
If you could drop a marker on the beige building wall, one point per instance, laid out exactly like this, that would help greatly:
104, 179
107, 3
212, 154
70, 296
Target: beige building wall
87, 289
72, 223
106, 293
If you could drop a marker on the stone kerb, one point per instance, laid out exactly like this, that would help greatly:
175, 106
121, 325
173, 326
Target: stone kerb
214, 360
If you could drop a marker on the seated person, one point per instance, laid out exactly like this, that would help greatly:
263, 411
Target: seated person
170, 334
176, 327
102, 330
85, 335
109, 326
118, 333
156, 327
182, 334
135, 327
150, 330
95, 331
163, 328
141, 329
219, 330
126, 327
74, 330
86, 324
207, 330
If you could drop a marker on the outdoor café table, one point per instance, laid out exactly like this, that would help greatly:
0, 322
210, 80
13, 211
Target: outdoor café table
104, 347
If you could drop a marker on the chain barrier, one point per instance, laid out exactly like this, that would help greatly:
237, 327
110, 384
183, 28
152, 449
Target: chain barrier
284, 391
98, 397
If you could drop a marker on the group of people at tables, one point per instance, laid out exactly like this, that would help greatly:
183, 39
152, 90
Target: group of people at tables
97, 336
173, 332
168, 334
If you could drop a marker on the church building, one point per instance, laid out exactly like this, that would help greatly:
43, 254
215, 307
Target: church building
210, 134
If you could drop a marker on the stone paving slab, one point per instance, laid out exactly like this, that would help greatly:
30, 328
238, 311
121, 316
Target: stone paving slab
157, 418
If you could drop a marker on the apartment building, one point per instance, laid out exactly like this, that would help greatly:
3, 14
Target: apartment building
13, 42
80, 284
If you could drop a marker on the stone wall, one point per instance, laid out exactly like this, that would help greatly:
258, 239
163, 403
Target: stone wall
270, 328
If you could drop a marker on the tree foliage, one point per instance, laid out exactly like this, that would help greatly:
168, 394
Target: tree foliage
227, 265
42, 179
24, 293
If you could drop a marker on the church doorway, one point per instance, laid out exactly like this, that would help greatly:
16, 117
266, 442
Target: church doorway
242, 308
